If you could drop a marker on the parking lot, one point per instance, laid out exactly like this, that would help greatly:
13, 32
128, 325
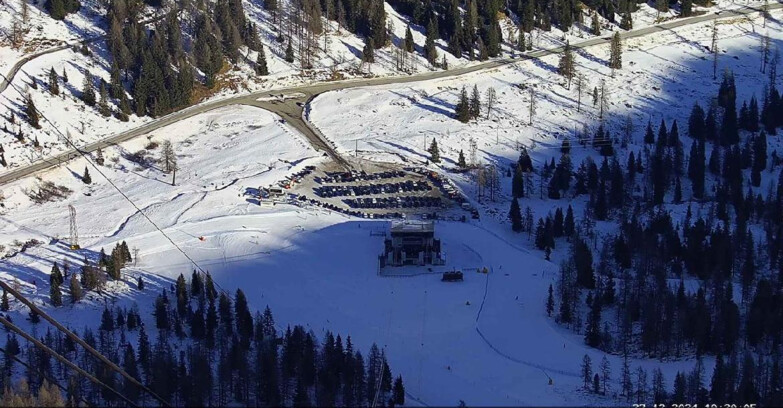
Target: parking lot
377, 191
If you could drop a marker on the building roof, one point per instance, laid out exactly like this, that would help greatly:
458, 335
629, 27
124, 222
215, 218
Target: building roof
412, 226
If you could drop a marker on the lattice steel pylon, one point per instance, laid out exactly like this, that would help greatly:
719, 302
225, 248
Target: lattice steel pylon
74, 229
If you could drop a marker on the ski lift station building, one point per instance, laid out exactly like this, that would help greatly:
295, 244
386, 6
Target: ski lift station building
411, 243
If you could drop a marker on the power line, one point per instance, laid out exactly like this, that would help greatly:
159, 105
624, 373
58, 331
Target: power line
46, 377
77, 339
97, 168
62, 359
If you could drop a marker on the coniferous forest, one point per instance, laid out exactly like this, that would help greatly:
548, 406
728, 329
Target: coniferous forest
678, 253
204, 348
162, 65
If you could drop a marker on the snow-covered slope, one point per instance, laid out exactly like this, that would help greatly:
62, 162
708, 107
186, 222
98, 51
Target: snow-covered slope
486, 340
340, 53
666, 72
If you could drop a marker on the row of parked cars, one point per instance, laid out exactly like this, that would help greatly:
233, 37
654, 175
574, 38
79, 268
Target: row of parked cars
351, 176
354, 213
372, 189
293, 179
394, 202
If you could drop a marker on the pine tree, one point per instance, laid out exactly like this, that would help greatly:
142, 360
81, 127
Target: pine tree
475, 103
103, 106
140, 284
88, 91
596, 25
409, 43
606, 372
462, 108
649, 136
568, 222
515, 215
31, 112
56, 295
56, 9
430, 52
616, 50
368, 53
434, 152
261, 68
550, 302
521, 40
399, 391
75, 289
518, 183
566, 65
461, 160
54, 82
4, 305
86, 179
587, 370
289, 52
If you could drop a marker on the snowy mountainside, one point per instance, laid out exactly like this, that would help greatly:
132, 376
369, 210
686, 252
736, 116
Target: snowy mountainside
69, 114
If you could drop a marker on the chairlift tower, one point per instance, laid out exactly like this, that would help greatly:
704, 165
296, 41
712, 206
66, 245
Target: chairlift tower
74, 229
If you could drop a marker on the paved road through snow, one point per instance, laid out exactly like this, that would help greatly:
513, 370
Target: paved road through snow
289, 102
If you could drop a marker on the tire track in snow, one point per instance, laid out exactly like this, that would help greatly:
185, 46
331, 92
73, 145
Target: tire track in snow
497, 351
124, 223
190, 207
524, 362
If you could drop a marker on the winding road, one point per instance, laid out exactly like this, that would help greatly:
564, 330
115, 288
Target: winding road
290, 103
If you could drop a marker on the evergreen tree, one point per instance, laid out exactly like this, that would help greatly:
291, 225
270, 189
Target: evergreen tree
461, 160
86, 179
518, 183
4, 305
368, 53
31, 112
54, 82
434, 152
409, 43
587, 370
430, 52
289, 52
515, 215
550, 302
56, 295
103, 107
596, 25
88, 91
462, 108
399, 391
261, 68
75, 288
615, 52
566, 64
475, 103
696, 123
56, 9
